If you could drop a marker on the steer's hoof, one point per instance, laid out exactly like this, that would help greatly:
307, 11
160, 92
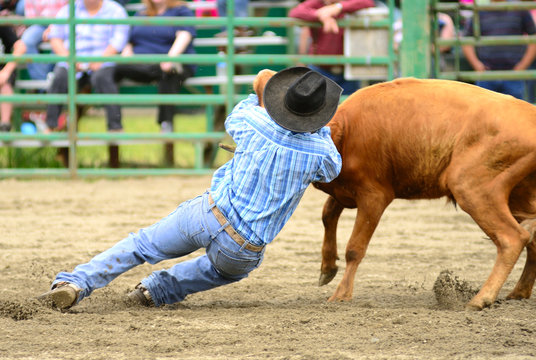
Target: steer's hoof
326, 277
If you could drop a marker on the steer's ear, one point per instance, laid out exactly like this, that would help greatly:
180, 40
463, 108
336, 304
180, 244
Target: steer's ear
260, 81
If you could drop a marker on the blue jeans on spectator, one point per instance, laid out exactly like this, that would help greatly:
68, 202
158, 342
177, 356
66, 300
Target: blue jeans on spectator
190, 227
241, 8
516, 88
32, 37
19, 8
348, 86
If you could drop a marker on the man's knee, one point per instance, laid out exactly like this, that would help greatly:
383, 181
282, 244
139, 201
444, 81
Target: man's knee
103, 81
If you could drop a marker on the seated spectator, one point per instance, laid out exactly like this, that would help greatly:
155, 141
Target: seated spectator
92, 40
35, 34
7, 77
329, 39
172, 40
502, 57
240, 10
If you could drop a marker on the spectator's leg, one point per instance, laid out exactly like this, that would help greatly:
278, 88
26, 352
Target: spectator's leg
32, 38
144, 73
102, 82
171, 83
489, 84
6, 108
516, 88
58, 86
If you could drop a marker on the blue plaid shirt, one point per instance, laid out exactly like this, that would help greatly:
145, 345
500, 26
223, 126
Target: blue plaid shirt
261, 186
93, 39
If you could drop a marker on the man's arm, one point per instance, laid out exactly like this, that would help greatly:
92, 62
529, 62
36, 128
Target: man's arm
314, 10
527, 59
18, 49
182, 40
470, 55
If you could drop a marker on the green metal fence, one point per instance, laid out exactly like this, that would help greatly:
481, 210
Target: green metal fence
228, 97
478, 40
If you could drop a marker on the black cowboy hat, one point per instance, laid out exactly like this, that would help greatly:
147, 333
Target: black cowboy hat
300, 99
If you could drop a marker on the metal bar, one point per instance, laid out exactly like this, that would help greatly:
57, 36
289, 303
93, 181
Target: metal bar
97, 173
492, 6
415, 47
137, 99
206, 21
72, 125
489, 75
490, 40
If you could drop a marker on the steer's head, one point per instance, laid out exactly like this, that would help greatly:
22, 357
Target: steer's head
260, 81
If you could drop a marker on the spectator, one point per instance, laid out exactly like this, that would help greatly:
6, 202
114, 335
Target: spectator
328, 39
92, 40
240, 10
7, 77
502, 57
172, 40
35, 34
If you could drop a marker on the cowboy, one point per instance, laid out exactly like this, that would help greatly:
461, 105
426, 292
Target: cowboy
282, 145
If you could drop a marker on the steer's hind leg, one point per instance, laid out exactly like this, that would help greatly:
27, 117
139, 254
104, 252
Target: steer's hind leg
523, 288
330, 218
487, 206
370, 209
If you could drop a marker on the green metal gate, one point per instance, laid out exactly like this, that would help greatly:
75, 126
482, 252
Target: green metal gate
228, 97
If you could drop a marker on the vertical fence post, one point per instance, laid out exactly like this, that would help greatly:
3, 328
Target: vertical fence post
415, 47
71, 90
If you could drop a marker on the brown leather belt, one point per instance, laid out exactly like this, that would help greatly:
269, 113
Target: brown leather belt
229, 229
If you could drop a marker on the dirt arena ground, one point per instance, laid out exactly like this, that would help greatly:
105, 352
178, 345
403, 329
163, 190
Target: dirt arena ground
279, 312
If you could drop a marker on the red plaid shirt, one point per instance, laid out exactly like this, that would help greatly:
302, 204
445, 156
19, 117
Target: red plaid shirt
43, 8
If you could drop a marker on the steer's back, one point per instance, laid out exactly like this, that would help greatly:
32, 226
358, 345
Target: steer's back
407, 133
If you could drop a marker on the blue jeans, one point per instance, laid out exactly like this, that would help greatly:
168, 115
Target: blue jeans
348, 86
32, 37
516, 88
240, 8
190, 227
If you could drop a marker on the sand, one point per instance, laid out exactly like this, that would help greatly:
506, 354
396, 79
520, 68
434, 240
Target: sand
424, 261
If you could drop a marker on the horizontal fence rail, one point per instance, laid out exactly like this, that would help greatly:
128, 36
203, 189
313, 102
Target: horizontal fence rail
478, 40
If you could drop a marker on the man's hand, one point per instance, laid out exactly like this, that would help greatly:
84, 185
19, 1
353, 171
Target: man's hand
331, 11
327, 15
330, 26
166, 66
45, 34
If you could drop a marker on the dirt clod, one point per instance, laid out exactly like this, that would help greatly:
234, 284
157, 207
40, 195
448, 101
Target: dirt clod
452, 293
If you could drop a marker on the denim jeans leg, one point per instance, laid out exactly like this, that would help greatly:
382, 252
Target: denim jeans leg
32, 38
516, 88
164, 240
102, 81
58, 86
225, 262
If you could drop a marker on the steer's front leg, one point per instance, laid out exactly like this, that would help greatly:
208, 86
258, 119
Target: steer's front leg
330, 218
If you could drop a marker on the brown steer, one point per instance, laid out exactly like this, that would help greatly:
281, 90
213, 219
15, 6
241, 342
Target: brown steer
425, 139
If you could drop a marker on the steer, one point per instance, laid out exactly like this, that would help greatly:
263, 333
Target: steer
426, 139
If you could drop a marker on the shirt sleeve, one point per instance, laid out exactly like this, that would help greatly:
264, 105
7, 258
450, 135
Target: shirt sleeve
307, 10
331, 163
185, 12
59, 30
29, 9
120, 32
235, 124
528, 23
350, 6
